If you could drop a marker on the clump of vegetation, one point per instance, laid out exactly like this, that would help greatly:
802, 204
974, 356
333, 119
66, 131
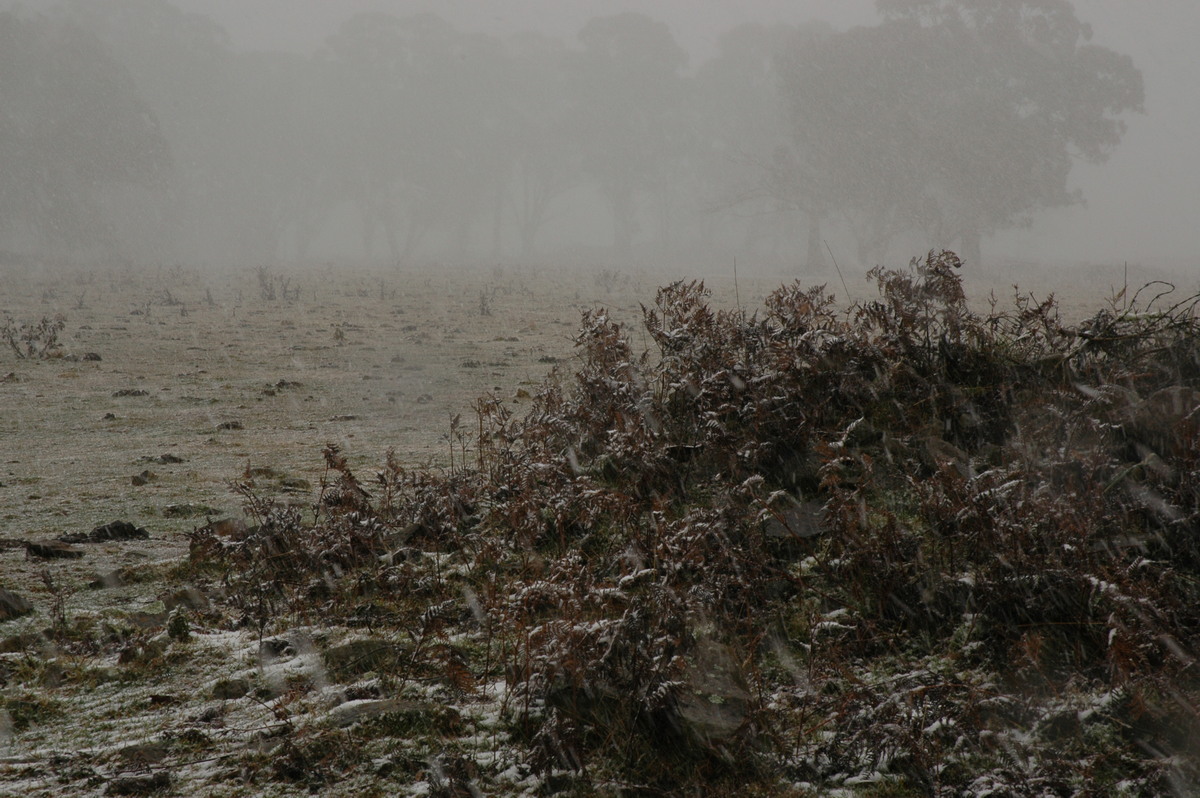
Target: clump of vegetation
901, 548
34, 340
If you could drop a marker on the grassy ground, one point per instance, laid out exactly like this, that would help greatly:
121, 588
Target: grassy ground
906, 549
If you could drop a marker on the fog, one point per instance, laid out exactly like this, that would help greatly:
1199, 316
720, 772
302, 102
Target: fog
622, 133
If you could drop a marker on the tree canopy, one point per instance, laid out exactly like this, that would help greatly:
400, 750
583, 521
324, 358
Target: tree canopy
71, 125
955, 117
947, 121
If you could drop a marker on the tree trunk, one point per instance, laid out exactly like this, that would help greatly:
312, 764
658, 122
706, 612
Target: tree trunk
814, 259
971, 247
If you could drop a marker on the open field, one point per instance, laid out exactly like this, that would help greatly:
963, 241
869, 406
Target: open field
207, 379
370, 360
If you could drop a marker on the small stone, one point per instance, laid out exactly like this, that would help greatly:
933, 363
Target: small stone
229, 689
52, 549
359, 657
13, 606
139, 785
178, 627
352, 712
188, 598
143, 754
119, 530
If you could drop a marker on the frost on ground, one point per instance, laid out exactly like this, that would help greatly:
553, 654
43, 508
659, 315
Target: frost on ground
899, 549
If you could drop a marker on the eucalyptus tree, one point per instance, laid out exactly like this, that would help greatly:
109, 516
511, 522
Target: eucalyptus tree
749, 167
626, 89
957, 118
546, 164
72, 128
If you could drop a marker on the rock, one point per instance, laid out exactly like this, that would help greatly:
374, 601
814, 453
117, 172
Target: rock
178, 627
275, 649
118, 530
13, 606
141, 652
1164, 420
353, 659
354, 711
187, 597
937, 453
714, 706
139, 785
142, 755
151, 616
229, 689
52, 549
795, 519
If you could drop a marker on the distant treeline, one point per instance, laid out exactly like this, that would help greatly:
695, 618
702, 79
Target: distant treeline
131, 129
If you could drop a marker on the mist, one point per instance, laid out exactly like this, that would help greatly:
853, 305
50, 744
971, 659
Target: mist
677, 134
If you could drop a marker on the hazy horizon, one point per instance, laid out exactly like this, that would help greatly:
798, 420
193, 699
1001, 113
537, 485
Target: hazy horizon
1139, 205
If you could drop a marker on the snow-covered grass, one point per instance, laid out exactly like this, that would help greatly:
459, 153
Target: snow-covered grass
627, 591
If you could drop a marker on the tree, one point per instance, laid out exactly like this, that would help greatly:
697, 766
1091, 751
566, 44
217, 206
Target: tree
957, 118
545, 164
626, 85
748, 165
71, 126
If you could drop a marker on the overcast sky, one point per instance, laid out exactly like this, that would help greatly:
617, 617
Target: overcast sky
1144, 204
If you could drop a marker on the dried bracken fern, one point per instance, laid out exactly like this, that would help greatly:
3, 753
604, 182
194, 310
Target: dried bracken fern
801, 546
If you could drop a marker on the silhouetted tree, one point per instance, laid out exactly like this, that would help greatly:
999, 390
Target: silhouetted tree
748, 161
958, 118
627, 86
72, 126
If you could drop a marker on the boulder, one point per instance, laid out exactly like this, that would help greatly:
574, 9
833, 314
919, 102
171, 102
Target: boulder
13, 605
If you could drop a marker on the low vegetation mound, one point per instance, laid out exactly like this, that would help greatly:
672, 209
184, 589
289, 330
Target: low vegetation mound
903, 548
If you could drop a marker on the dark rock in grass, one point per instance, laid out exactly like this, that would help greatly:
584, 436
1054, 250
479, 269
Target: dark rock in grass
26, 641
189, 598
790, 519
143, 755
714, 706
118, 530
275, 649
13, 606
354, 711
186, 510
353, 659
139, 785
230, 689
142, 652
52, 550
